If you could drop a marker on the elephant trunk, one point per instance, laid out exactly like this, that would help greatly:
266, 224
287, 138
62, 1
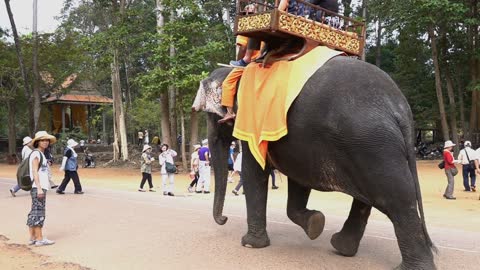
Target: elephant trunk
219, 137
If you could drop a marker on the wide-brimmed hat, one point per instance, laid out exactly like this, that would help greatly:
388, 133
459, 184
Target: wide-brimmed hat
448, 144
146, 147
43, 135
205, 142
196, 147
71, 143
27, 140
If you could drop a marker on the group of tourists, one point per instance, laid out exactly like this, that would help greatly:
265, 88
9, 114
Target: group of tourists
200, 169
469, 159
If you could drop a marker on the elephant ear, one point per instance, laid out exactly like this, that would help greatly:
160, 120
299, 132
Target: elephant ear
213, 97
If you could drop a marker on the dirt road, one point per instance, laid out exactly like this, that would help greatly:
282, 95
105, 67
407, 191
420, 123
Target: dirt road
113, 226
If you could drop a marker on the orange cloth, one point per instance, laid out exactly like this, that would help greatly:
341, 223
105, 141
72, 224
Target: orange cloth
265, 95
243, 41
229, 87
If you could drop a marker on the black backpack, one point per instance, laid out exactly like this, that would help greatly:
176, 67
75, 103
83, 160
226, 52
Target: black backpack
23, 172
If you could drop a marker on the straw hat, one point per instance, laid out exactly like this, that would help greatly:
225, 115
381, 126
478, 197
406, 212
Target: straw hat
196, 147
146, 147
27, 140
42, 135
448, 144
71, 143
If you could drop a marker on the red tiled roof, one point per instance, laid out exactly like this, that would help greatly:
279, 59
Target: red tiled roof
82, 99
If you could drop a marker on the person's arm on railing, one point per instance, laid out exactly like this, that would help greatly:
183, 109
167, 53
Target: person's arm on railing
283, 5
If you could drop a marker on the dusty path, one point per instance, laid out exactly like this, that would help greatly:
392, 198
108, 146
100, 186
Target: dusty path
114, 227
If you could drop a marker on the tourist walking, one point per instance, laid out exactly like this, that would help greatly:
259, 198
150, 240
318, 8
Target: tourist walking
204, 168
40, 186
194, 161
146, 139
450, 169
26, 150
166, 162
237, 166
467, 157
146, 168
231, 160
70, 166
50, 160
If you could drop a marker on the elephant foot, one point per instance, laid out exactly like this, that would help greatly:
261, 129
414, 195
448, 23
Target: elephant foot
256, 240
315, 225
346, 245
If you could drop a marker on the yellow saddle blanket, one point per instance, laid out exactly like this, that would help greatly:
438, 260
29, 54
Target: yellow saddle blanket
266, 94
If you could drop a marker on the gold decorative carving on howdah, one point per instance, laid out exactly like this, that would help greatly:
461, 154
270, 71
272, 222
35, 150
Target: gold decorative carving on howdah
254, 22
322, 33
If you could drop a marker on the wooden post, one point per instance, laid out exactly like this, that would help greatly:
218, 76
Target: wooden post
63, 118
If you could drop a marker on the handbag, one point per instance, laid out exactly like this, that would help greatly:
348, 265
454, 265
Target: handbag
170, 168
441, 165
454, 171
471, 163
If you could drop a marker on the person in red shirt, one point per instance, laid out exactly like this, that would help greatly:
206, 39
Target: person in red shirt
450, 169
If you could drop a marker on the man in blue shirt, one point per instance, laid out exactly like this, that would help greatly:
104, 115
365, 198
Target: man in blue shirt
231, 161
204, 168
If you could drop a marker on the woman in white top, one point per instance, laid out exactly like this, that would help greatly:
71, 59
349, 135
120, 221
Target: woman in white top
166, 156
40, 185
27, 149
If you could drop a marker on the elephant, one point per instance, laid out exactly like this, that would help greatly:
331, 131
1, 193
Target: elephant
349, 130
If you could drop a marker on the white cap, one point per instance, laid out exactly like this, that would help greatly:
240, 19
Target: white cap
27, 140
468, 143
71, 143
205, 142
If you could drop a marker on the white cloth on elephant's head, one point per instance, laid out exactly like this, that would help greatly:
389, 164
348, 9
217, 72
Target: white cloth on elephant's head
209, 97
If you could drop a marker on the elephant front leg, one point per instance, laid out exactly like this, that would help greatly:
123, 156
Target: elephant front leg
311, 221
348, 239
255, 185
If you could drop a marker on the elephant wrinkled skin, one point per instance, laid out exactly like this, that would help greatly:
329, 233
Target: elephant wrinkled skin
349, 130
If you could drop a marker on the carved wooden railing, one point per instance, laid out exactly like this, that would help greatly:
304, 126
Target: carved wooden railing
317, 24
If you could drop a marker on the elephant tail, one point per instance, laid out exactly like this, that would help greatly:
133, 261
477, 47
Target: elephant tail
412, 164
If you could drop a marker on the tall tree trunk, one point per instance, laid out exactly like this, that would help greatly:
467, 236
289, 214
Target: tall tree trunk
12, 134
378, 49
182, 146
172, 94
438, 83
453, 107
473, 44
18, 48
164, 104
463, 124
36, 85
193, 129
118, 103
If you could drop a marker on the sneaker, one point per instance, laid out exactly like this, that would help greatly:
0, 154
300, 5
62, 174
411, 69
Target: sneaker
12, 192
235, 192
474, 188
274, 187
31, 242
165, 193
170, 194
44, 242
60, 192
240, 63
206, 192
152, 190
198, 191
79, 192
141, 190
190, 189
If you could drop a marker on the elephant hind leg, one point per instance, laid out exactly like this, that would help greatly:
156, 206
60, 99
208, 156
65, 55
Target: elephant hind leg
346, 241
311, 221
